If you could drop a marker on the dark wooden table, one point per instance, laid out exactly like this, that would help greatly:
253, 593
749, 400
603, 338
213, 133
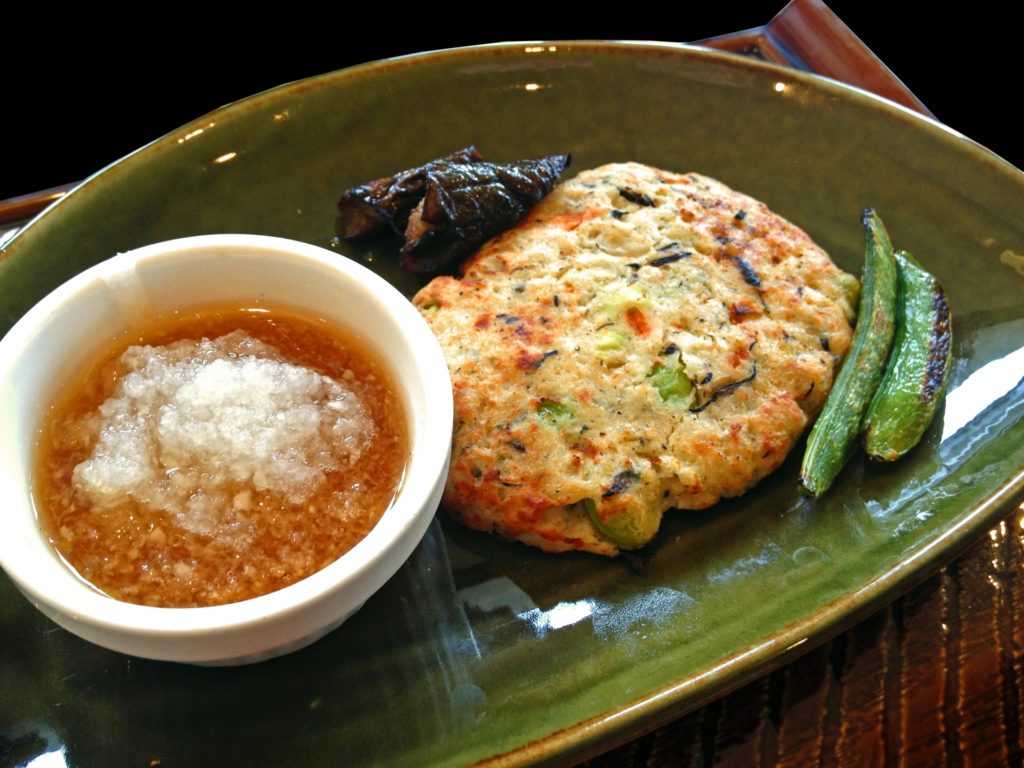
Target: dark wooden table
935, 679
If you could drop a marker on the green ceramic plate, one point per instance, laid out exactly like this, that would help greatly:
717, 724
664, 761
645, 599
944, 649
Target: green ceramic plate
476, 648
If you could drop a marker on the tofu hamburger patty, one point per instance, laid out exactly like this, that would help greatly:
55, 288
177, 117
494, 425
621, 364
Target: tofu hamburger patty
642, 340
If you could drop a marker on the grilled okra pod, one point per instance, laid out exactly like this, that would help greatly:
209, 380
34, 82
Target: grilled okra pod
918, 369
838, 426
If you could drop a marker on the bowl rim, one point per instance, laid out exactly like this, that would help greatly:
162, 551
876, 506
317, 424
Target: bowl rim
425, 467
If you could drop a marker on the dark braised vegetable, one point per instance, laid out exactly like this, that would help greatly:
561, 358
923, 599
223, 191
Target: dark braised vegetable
467, 204
449, 207
387, 202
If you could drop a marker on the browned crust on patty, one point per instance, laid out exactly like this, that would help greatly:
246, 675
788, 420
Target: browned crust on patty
555, 330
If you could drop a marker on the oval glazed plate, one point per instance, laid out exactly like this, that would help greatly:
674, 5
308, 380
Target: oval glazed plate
479, 649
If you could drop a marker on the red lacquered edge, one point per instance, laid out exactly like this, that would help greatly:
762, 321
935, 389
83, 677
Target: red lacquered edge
808, 36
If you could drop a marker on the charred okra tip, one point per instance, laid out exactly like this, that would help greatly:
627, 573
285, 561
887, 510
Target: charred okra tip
832, 438
902, 307
918, 370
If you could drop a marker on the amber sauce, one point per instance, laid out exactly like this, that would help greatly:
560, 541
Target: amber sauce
140, 555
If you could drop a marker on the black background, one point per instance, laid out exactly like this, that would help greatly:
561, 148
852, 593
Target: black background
81, 92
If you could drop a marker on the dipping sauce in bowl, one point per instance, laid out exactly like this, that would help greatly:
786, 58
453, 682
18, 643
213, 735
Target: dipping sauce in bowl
218, 455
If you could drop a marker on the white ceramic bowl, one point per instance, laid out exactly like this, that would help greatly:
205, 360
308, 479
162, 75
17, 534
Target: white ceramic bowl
71, 324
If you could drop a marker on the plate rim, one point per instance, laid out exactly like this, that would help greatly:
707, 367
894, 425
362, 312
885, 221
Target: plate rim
552, 47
